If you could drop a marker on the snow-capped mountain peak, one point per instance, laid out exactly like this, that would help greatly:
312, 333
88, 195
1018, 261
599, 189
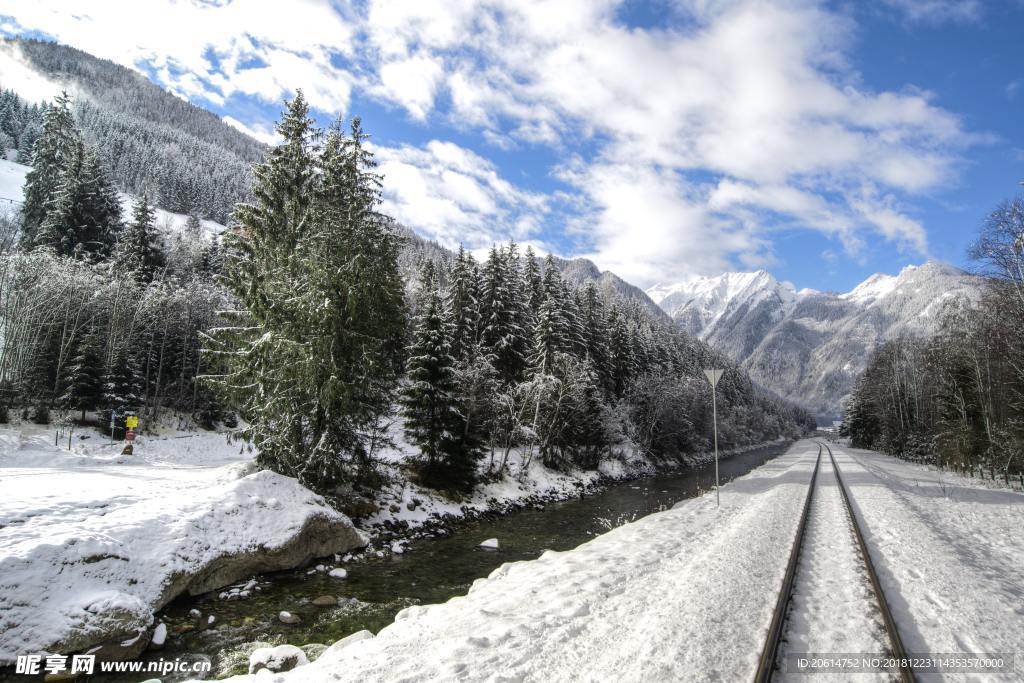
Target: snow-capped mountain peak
808, 345
873, 288
707, 299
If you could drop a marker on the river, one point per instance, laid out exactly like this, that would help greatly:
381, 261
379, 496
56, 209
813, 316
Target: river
430, 571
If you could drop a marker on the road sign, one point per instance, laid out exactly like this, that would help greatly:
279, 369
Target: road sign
131, 421
713, 375
129, 435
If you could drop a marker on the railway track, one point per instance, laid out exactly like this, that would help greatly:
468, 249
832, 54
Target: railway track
767, 665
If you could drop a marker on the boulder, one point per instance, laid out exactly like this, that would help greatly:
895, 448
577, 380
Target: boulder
121, 648
319, 537
325, 601
277, 659
102, 591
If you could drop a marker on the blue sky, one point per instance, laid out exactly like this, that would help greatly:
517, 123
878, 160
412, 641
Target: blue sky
823, 141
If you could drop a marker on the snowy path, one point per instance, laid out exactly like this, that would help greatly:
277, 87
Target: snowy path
949, 553
832, 608
685, 594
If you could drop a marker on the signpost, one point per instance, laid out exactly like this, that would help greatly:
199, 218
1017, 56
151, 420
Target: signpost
713, 375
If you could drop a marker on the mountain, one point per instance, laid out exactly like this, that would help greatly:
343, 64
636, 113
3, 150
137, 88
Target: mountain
805, 345
191, 163
580, 271
185, 157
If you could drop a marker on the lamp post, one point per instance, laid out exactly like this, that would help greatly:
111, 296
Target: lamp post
713, 375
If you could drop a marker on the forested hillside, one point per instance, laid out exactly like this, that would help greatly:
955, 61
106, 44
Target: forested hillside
186, 158
101, 313
956, 398
319, 319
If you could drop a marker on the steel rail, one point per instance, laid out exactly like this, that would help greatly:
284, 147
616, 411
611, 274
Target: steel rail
896, 644
770, 652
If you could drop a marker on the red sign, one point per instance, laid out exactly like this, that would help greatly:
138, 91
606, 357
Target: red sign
129, 435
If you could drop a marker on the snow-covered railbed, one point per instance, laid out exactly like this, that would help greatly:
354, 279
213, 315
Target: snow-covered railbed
949, 554
832, 607
646, 601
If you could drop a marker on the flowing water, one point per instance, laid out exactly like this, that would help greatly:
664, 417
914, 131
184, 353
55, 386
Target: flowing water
430, 571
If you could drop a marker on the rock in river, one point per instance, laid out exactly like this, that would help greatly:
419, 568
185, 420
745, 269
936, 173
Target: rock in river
325, 601
277, 659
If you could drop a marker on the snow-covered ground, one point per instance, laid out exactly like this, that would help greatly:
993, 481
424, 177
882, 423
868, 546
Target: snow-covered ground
12, 181
948, 551
646, 601
88, 537
87, 531
687, 594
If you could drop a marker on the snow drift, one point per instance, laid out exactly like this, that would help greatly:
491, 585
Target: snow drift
98, 579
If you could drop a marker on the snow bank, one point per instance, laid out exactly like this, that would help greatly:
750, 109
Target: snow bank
91, 543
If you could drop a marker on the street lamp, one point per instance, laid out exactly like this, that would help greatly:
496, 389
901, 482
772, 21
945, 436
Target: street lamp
713, 375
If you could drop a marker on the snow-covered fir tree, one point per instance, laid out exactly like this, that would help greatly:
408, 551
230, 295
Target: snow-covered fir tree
431, 400
85, 386
138, 248
312, 356
52, 152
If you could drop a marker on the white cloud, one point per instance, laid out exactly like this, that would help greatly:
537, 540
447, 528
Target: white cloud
412, 82
16, 74
455, 196
211, 51
682, 146
884, 216
760, 97
938, 11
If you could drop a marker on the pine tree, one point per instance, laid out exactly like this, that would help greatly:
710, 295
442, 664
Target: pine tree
312, 359
433, 420
122, 381
548, 337
84, 380
194, 225
138, 248
51, 154
503, 312
596, 335
621, 354
84, 213
59, 227
356, 244
101, 208
534, 283
211, 258
462, 306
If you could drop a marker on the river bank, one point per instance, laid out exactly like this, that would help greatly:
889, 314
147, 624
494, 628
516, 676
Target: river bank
431, 569
90, 494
